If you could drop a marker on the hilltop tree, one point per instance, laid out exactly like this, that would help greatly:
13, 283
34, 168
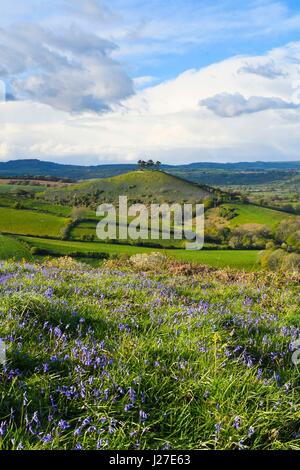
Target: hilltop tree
141, 164
150, 165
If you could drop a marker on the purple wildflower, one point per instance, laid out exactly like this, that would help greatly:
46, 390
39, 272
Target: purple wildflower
236, 422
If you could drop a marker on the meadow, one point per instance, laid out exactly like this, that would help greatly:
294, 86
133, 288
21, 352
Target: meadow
239, 259
251, 214
28, 222
10, 248
118, 358
10, 188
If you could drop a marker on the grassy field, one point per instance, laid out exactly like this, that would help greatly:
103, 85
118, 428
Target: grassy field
36, 205
241, 259
88, 229
250, 214
11, 248
26, 222
7, 188
117, 359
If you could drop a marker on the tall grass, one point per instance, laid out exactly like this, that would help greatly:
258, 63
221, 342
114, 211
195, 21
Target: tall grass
116, 359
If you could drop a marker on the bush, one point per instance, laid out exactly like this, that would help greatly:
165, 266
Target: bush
291, 262
148, 262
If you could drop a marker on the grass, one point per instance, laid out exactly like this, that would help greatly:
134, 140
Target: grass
26, 222
88, 228
250, 214
241, 259
35, 205
10, 188
116, 359
12, 248
147, 186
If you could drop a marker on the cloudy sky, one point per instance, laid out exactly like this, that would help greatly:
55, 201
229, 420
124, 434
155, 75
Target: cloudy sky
96, 81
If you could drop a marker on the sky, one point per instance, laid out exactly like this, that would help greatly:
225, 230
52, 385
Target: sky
91, 82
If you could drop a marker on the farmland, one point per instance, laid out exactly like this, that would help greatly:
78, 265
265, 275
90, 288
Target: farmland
251, 214
26, 222
53, 226
242, 259
12, 248
245, 214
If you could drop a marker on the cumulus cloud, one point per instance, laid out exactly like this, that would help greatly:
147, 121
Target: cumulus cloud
166, 121
267, 70
231, 105
70, 69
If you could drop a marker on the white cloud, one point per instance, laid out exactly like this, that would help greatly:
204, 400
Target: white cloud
266, 69
166, 121
232, 105
70, 69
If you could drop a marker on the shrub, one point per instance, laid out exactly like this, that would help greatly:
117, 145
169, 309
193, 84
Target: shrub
148, 262
291, 262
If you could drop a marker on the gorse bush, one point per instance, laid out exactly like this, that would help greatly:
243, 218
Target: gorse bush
112, 359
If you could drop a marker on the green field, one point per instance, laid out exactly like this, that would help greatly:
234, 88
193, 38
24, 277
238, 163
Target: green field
39, 205
11, 188
26, 222
88, 229
11, 248
250, 214
239, 259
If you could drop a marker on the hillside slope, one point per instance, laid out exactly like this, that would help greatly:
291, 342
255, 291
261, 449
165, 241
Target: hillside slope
138, 186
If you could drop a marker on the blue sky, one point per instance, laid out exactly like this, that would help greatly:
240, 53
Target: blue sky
99, 80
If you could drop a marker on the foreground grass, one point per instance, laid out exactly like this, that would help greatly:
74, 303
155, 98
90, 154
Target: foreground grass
241, 259
114, 359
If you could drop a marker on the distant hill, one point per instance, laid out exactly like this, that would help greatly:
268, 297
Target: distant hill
38, 168
242, 173
138, 186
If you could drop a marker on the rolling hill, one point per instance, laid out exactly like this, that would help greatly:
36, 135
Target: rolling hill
138, 186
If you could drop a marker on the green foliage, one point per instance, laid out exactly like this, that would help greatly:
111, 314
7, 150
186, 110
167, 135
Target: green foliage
228, 212
248, 237
288, 232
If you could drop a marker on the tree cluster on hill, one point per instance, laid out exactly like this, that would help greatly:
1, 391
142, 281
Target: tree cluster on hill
149, 165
